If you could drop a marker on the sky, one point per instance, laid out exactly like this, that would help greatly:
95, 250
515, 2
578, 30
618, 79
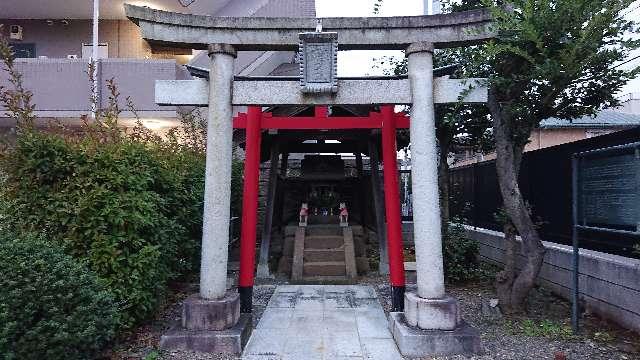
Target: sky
634, 85
361, 63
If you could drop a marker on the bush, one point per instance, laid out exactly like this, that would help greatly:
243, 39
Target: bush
461, 261
131, 209
128, 204
51, 307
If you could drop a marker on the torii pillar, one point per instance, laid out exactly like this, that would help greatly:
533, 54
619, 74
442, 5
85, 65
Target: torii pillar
431, 322
211, 320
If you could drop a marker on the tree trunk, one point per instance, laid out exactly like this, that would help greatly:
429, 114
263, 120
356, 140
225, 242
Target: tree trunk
508, 160
505, 278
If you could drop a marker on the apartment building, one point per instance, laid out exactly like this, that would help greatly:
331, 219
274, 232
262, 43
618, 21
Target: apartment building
52, 41
554, 131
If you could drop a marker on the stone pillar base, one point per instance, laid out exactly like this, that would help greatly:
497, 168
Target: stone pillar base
415, 342
262, 272
203, 314
431, 314
213, 326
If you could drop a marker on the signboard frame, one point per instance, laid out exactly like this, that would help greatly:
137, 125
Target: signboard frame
576, 162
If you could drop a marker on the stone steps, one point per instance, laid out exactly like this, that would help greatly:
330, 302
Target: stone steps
323, 242
319, 230
324, 268
323, 255
328, 280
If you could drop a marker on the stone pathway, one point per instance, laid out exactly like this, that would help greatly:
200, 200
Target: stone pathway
309, 322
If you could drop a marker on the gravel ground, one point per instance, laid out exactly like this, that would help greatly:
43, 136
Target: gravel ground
543, 334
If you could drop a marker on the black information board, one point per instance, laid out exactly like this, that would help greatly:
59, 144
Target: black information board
609, 189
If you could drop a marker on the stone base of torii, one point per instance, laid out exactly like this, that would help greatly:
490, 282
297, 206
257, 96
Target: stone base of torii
430, 323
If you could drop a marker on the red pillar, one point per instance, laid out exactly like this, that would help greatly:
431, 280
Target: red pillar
249, 208
392, 207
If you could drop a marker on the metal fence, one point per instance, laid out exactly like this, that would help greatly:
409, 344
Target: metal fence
546, 184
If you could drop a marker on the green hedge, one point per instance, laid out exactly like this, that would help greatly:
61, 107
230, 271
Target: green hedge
130, 209
51, 307
461, 254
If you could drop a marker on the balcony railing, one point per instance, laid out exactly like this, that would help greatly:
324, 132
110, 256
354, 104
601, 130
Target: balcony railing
61, 87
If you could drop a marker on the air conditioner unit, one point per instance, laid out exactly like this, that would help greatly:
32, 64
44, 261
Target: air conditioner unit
73, 56
15, 32
103, 51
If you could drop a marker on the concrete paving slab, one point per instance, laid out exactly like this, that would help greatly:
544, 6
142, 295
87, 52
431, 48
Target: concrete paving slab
340, 343
262, 357
311, 291
372, 324
305, 347
380, 349
371, 304
276, 318
337, 300
283, 300
266, 342
287, 288
304, 320
363, 292
340, 320
322, 322
310, 303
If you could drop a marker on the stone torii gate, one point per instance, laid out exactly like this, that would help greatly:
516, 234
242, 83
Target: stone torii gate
430, 323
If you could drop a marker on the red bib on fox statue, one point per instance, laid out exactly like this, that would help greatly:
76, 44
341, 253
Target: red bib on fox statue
344, 215
304, 214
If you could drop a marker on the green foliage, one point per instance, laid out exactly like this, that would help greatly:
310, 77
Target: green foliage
131, 210
237, 172
556, 58
126, 204
16, 101
458, 124
377, 4
461, 261
51, 307
154, 355
542, 328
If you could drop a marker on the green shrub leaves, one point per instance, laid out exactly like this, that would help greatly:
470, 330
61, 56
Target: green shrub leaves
51, 307
461, 253
130, 209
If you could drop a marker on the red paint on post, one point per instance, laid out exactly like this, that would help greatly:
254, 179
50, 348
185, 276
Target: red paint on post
392, 196
250, 197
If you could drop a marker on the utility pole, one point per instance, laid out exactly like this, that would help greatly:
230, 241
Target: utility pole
94, 58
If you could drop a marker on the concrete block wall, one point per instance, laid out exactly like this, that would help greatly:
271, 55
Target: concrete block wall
609, 284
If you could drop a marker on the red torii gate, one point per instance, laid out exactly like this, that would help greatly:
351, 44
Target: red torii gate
255, 120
